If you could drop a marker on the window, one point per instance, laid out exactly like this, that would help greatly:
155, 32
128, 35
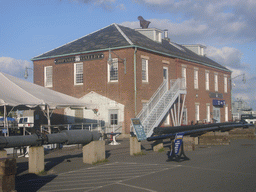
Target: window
184, 117
79, 115
225, 84
207, 82
113, 117
113, 70
78, 74
226, 113
196, 112
184, 76
48, 76
208, 112
144, 70
216, 82
196, 78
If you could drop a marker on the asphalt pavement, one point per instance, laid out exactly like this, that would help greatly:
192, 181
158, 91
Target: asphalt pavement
210, 168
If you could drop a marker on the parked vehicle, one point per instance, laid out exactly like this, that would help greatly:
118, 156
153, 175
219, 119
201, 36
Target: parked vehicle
26, 122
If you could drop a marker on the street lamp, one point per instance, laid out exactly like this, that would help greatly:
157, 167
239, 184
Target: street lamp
243, 80
26, 72
110, 59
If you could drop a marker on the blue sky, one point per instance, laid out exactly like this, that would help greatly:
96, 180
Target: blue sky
227, 27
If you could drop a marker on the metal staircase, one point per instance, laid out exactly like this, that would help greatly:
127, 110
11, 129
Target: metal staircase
160, 103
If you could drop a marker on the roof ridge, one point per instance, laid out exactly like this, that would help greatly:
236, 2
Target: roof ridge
123, 34
73, 41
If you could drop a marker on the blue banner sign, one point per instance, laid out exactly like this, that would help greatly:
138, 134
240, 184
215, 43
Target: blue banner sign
218, 102
178, 142
4, 130
139, 129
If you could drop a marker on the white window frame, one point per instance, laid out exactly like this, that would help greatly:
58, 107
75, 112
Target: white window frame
226, 113
208, 113
114, 64
113, 117
216, 87
207, 80
225, 84
48, 76
144, 70
197, 112
184, 75
196, 78
76, 73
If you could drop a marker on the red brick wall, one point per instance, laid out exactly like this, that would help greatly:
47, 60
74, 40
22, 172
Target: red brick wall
96, 79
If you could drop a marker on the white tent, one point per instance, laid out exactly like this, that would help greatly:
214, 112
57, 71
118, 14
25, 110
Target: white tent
18, 93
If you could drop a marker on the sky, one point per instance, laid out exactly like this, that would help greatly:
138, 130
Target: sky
227, 28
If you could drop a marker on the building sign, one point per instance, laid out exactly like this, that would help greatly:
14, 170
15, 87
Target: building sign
216, 95
79, 58
139, 130
218, 102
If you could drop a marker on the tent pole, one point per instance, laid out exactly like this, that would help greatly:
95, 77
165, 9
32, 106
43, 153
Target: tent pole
49, 120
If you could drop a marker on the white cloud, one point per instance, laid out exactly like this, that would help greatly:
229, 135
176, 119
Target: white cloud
15, 67
224, 20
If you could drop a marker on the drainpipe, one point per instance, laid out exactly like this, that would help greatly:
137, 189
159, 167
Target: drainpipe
135, 81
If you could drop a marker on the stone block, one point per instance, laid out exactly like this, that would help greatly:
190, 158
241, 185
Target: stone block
36, 159
240, 133
157, 145
7, 166
7, 183
135, 146
3, 153
188, 143
93, 152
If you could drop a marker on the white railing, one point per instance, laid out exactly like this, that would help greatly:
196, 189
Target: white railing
153, 101
159, 104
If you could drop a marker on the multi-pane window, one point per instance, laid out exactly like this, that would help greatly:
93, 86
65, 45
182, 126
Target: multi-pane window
113, 117
197, 112
113, 70
184, 76
48, 76
207, 82
208, 117
78, 73
144, 70
226, 113
225, 84
216, 82
196, 78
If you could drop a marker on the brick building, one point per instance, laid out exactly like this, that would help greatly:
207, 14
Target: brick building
117, 70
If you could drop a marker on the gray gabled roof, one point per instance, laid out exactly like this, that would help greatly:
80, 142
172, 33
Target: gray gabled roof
116, 36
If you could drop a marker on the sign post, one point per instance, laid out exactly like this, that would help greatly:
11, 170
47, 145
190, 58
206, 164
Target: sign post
139, 129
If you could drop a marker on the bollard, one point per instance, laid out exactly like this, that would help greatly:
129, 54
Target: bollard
135, 146
94, 152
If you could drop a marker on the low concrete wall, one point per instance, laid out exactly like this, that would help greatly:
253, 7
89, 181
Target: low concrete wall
241, 133
214, 138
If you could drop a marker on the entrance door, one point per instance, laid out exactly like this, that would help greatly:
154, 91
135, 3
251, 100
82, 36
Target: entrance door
165, 74
216, 114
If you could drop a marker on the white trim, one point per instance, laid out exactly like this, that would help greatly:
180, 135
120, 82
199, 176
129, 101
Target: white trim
226, 113
46, 83
196, 85
208, 112
207, 80
225, 84
123, 34
114, 61
75, 73
146, 70
197, 112
216, 87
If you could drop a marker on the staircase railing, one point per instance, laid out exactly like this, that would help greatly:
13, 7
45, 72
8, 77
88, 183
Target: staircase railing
162, 89
159, 104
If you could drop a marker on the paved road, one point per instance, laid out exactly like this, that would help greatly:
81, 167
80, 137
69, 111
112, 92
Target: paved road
210, 168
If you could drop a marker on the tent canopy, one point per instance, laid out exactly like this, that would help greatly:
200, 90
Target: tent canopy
17, 92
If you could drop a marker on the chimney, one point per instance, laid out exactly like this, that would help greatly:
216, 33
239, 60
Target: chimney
166, 35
